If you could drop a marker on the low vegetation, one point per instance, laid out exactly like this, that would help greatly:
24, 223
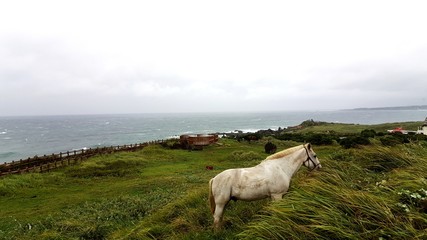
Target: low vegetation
366, 190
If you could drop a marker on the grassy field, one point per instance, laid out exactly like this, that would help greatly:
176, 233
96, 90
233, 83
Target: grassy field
369, 192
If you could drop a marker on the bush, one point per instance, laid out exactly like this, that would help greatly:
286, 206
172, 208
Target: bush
368, 133
297, 137
389, 140
270, 148
354, 141
311, 123
319, 139
395, 139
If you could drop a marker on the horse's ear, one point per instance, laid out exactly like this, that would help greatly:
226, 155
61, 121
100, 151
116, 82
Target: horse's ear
309, 146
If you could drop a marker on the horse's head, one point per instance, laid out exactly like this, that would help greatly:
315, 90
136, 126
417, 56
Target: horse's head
312, 162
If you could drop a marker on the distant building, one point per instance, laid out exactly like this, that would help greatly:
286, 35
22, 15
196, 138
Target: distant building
423, 128
398, 130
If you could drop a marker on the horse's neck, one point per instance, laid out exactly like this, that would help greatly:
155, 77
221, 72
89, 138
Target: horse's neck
290, 164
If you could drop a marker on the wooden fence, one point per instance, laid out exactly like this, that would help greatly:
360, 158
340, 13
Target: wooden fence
46, 163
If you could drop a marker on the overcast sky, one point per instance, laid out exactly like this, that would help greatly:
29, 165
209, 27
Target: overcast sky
90, 57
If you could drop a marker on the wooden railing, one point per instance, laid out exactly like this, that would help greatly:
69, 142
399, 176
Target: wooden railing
46, 163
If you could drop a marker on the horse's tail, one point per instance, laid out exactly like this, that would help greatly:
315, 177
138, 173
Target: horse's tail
211, 197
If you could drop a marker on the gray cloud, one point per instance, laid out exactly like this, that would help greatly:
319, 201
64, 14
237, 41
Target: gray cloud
151, 59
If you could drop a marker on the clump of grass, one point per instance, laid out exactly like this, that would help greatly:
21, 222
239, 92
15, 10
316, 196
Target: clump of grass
188, 214
10, 185
384, 159
333, 215
343, 155
329, 212
245, 156
118, 166
190, 218
91, 220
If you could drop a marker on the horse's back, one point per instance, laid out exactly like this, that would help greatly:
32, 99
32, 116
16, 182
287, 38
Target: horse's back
225, 178
242, 183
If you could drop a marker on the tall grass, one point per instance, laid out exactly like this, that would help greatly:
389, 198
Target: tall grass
349, 200
91, 220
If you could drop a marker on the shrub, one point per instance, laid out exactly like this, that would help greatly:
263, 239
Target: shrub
319, 139
395, 139
270, 148
311, 123
252, 137
354, 141
389, 140
297, 137
368, 133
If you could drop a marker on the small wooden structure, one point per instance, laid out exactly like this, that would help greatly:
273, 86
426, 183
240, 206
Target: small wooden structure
198, 141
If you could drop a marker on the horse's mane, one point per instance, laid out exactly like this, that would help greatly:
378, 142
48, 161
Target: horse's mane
284, 153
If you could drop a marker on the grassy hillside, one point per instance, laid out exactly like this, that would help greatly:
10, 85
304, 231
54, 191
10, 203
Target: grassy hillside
357, 128
368, 192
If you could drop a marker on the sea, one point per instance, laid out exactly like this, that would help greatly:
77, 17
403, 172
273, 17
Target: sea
26, 136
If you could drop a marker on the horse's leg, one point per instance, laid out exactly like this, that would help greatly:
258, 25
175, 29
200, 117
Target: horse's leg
219, 210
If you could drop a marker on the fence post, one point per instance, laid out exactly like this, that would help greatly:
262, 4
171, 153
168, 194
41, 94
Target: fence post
20, 167
28, 163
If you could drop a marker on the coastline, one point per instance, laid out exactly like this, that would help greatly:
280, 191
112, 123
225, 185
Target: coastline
29, 136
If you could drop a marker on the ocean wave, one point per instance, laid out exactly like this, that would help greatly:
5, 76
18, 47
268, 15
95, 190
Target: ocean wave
173, 137
245, 131
78, 149
2, 133
7, 154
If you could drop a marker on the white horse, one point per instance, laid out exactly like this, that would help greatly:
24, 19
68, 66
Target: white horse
270, 178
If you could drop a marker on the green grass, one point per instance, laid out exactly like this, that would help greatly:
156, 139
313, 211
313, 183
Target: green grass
86, 201
357, 128
371, 192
